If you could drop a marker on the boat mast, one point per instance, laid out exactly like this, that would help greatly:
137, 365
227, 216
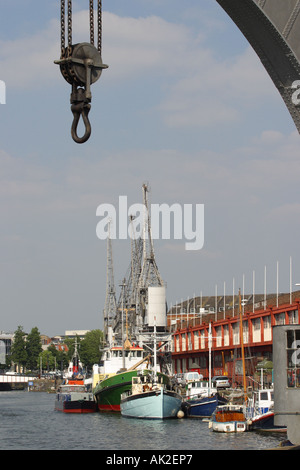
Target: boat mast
242, 345
209, 358
155, 359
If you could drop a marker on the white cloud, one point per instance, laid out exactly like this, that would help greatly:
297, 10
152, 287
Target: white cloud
27, 62
217, 92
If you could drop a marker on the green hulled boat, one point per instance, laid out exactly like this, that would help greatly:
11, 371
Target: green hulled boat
108, 391
116, 375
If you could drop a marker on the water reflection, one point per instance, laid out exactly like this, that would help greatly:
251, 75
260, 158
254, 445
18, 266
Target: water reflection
29, 421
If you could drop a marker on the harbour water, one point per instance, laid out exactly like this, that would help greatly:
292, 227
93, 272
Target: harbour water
28, 421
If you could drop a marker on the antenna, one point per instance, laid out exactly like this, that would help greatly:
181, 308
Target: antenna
110, 306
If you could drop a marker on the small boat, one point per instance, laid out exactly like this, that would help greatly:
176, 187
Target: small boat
203, 406
260, 412
74, 395
149, 398
228, 418
199, 388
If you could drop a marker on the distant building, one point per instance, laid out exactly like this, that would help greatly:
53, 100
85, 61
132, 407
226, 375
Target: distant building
6, 340
73, 333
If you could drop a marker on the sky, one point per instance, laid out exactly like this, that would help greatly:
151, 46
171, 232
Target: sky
185, 106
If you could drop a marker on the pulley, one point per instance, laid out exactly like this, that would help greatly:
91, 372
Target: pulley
81, 66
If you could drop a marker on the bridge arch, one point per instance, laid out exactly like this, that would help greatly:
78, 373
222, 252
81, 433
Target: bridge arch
272, 27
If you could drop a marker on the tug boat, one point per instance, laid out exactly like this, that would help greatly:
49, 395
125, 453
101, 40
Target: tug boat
75, 394
74, 397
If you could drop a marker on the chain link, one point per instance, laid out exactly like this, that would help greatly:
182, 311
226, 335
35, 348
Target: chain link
62, 28
92, 22
100, 26
92, 33
69, 27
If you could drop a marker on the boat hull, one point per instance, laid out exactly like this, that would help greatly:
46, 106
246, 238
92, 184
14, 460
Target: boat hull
75, 402
159, 404
108, 392
229, 426
265, 422
76, 406
202, 407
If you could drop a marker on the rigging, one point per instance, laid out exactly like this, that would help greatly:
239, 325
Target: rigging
81, 66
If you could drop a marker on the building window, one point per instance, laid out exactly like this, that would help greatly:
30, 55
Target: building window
279, 319
236, 333
218, 336
183, 342
196, 340
202, 339
256, 330
226, 335
190, 346
293, 317
293, 358
267, 328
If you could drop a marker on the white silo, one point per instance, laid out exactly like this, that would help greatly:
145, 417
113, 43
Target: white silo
157, 306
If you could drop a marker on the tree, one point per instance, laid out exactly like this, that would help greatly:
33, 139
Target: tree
89, 351
61, 357
18, 349
33, 348
47, 360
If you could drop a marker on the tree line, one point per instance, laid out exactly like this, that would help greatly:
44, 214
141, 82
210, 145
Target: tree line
27, 352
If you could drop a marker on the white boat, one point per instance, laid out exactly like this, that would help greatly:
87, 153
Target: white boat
260, 412
228, 418
199, 389
150, 399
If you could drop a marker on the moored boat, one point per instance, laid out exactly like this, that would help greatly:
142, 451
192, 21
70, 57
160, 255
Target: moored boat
119, 367
74, 395
260, 412
150, 399
203, 406
228, 418
108, 391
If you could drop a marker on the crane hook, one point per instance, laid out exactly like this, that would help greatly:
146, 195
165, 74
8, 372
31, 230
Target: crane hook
81, 110
80, 106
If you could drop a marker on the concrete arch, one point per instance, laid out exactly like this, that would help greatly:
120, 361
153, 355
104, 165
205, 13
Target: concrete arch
272, 27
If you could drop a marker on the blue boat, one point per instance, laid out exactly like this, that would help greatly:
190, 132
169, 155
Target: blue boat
150, 400
202, 407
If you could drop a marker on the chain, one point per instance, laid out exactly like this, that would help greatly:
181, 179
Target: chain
100, 26
92, 36
69, 27
62, 28
92, 22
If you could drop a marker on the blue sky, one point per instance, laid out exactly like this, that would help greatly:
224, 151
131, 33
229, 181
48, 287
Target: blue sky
186, 106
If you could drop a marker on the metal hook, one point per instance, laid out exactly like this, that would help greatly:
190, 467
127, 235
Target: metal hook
81, 109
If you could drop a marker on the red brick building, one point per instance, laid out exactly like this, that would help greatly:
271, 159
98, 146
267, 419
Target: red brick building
190, 325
